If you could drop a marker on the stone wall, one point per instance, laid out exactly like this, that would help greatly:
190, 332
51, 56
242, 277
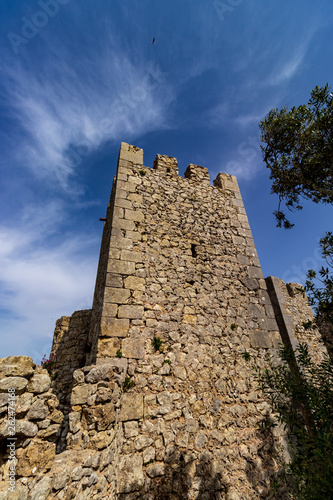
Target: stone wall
70, 347
293, 315
29, 414
154, 395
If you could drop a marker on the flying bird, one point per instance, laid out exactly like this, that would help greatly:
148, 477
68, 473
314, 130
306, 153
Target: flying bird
153, 40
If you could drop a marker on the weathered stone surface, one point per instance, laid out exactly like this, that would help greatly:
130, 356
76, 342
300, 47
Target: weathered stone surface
121, 266
37, 411
133, 348
80, 394
42, 489
197, 310
39, 383
113, 327
17, 383
130, 474
131, 312
108, 347
156, 469
102, 415
17, 366
116, 295
35, 457
131, 407
134, 283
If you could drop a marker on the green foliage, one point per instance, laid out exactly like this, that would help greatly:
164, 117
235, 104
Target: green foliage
233, 326
119, 354
142, 173
246, 355
298, 149
320, 288
157, 343
167, 361
302, 398
128, 383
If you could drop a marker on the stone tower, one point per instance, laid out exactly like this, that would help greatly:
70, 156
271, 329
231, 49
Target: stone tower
159, 374
177, 258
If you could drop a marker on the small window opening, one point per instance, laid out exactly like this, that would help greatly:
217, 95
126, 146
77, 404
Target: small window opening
193, 250
168, 170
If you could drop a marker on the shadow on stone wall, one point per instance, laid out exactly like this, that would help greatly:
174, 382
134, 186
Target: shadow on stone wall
267, 473
201, 480
70, 348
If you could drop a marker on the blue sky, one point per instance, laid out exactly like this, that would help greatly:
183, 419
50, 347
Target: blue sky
77, 78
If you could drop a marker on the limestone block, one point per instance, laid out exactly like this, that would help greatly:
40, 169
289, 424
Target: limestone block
121, 242
142, 442
131, 429
126, 224
17, 383
22, 428
133, 348
131, 256
101, 440
113, 327
119, 202
130, 153
137, 198
131, 407
134, 215
42, 489
131, 312
116, 295
156, 469
200, 440
130, 187
33, 459
80, 394
37, 411
102, 415
107, 347
255, 272
110, 310
148, 455
260, 339
109, 367
23, 403
121, 266
39, 383
17, 366
114, 280
134, 283
114, 253
130, 475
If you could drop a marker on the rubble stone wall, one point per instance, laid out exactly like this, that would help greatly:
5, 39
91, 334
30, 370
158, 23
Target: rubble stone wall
154, 395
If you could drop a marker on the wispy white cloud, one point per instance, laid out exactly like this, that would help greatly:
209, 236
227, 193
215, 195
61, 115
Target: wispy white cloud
288, 69
41, 281
64, 114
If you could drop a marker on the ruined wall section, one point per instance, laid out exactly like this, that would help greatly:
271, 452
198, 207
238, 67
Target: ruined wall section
293, 313
69, 348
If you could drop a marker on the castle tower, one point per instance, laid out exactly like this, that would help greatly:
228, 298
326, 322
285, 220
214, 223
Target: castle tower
177, 260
